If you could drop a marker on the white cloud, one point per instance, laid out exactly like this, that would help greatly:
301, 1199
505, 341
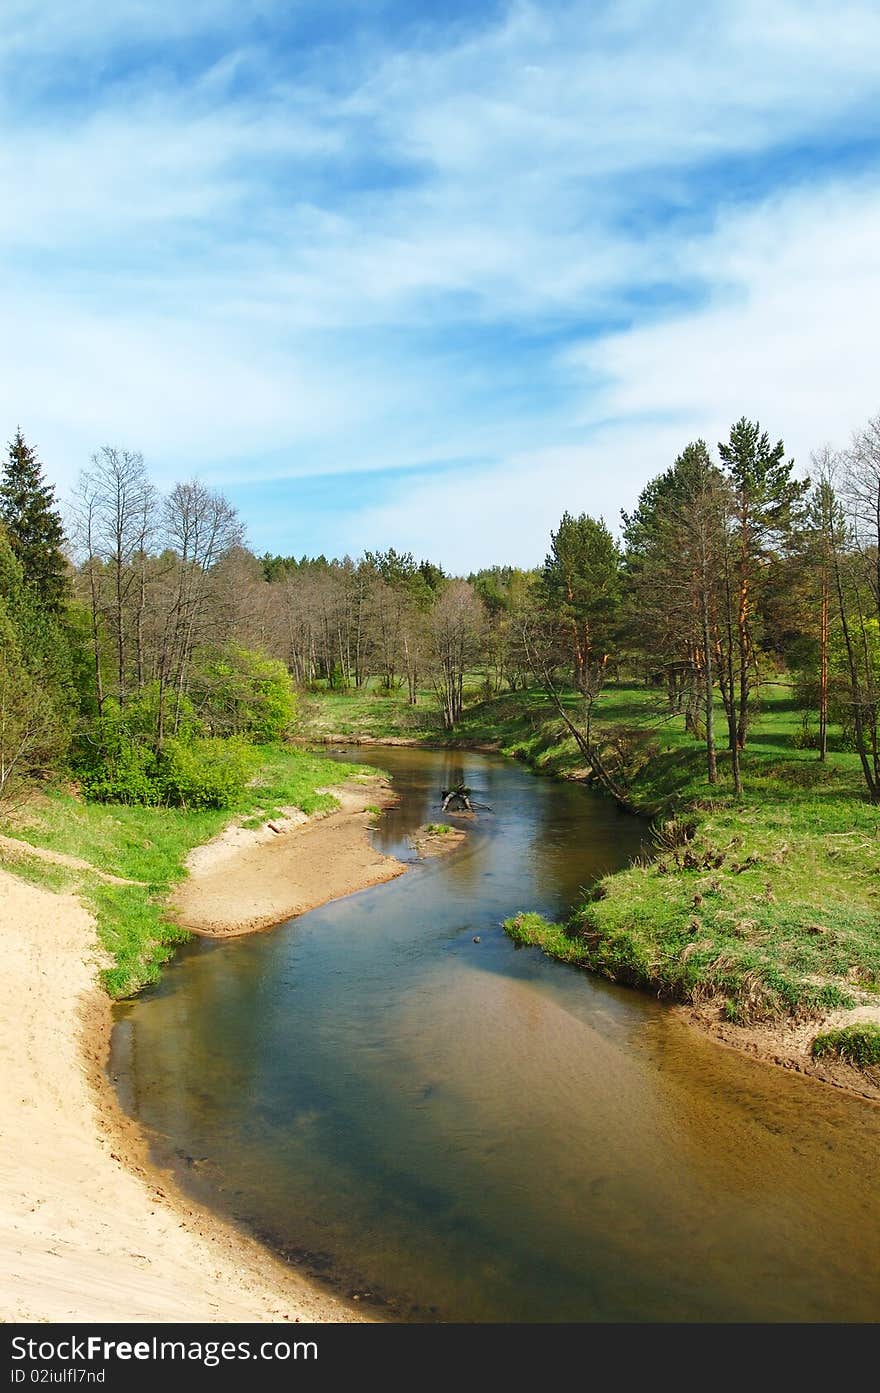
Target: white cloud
789, 339
788, 335
257, 275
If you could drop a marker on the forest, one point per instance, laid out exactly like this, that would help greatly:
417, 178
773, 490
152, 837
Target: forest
145, 648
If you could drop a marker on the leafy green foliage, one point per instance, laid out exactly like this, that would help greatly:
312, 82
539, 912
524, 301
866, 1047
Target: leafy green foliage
32, 738
203, 773
581, 586
765, 494
33, 733
237, 691
242, 693
116, 765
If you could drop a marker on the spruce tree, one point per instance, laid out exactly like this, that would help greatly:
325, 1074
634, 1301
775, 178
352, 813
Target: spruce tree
36, 533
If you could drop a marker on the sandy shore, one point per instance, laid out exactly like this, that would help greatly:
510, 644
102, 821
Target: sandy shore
786, 1045
249, 879
90, 1230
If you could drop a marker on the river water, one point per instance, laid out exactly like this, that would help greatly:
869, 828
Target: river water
470, 1131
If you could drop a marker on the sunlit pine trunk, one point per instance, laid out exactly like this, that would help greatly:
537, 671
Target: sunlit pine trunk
823, 667
708, 690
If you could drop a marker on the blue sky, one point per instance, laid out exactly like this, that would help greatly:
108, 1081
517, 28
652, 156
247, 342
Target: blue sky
427, 274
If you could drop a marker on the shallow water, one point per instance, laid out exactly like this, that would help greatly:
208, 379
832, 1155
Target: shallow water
471, 1131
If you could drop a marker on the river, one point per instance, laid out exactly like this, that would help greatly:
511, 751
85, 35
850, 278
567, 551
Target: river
461, 1130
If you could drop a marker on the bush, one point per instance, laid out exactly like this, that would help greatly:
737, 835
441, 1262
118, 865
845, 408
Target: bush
32, 735
237, 691
113, 765
141, 714
116, 764
207, 773
806, 738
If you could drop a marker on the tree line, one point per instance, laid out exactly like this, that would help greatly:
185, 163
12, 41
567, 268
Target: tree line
144, 646
729, 569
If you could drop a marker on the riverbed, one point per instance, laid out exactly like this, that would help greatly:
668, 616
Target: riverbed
452, 1129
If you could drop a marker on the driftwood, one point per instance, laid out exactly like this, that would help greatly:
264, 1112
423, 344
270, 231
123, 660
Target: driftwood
457, 800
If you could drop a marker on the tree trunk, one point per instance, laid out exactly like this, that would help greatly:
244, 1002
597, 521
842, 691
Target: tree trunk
744, 647
823, 668
730, 703
120, 629
96, 641
708, 692
858, 723
139, 626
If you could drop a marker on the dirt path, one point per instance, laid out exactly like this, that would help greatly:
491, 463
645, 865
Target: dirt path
13, 848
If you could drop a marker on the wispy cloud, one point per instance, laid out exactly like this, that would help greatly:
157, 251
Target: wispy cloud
534, 249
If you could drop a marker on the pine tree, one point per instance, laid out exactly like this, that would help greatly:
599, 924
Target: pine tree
675, 543
36, 533
581, 581
765, 499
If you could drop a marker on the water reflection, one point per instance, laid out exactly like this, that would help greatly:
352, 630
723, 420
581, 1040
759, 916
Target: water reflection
476, 1132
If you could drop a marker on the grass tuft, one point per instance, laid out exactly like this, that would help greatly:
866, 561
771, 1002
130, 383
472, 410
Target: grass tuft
857, 1044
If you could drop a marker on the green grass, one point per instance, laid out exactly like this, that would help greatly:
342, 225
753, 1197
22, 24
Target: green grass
370, 712
771, 908
149, 846
784, 925
857, 1044
437, 829
59, 879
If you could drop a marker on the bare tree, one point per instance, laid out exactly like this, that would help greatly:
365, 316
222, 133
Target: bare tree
84, 532
454, 641
857, 585
201, 527
118, 505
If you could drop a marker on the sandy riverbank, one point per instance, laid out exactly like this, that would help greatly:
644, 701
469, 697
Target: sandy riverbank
90, 1230
786, 1044
250, 879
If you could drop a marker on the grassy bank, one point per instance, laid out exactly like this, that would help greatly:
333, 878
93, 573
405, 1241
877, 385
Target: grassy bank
765, 907
148, 846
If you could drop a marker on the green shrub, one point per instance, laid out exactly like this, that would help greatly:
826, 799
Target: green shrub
112, 764
857, 1044
237, 691
33, 736
116, 763
204, 773
806, 737
141, 715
